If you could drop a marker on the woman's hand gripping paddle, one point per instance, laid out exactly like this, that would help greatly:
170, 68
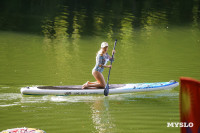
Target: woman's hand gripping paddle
106, 90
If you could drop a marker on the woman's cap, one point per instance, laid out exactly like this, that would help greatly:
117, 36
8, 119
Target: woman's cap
104, 44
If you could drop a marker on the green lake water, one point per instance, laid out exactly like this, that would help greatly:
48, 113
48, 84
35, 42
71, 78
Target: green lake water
55, 43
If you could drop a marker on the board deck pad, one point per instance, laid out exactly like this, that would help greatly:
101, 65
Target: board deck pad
76, 87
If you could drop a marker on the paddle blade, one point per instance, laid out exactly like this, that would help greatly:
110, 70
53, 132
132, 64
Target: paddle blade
106, 90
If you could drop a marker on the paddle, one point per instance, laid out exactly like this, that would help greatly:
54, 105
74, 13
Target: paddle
106, 90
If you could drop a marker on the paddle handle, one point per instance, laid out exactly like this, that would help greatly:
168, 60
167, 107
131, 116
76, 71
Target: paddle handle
106, 90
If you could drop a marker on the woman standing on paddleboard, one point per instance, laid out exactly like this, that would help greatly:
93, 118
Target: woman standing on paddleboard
101, 60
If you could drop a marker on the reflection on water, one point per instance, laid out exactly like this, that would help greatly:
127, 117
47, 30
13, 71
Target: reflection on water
94, 18
76, 27
103, 121
56, 28
61, 26
98, 22
57, 42
195, 11
127, 30
153, 19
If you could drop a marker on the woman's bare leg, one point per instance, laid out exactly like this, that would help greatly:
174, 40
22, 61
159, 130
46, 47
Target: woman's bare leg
88, 82
100, 83
92, 82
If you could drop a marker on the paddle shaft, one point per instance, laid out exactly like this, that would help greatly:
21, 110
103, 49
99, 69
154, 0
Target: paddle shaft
106, 90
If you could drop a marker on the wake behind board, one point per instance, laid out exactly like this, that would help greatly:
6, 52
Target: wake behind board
114, 89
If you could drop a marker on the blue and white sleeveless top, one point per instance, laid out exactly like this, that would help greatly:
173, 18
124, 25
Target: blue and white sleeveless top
101, 60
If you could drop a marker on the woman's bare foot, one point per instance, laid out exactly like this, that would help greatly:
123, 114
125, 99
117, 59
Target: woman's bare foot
85, 85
